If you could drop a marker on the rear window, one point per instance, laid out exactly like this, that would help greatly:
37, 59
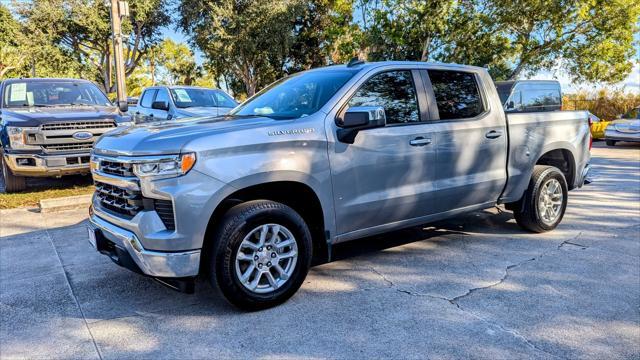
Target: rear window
533, 100
457, 94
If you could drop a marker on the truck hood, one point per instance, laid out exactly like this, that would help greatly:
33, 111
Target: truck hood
36, 116
170, 137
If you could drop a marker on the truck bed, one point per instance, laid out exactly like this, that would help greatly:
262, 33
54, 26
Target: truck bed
551, 136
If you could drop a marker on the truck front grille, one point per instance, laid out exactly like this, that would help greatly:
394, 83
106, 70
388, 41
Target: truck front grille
127, 203
116, 168
84, 146
121, 201
78, 125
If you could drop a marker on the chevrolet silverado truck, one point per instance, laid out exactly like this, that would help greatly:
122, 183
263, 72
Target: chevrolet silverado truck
48, 127
252, 199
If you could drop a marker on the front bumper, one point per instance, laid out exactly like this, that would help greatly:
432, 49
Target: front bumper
47, 165
124, 248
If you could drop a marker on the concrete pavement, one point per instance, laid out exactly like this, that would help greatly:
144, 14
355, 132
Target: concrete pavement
476, 286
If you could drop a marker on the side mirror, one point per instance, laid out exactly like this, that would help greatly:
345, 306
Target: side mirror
359, 118
160, 105
123, 106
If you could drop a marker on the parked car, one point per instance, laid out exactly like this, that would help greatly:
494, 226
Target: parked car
159, 103
530, 95
252, 199
626, 128
48, 127
132, 102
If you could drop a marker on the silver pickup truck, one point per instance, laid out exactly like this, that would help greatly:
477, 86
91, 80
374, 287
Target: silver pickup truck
252, 199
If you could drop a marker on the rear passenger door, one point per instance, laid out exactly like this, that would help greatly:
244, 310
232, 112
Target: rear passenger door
470, 140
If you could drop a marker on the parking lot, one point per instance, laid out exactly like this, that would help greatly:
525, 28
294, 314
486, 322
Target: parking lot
476, 286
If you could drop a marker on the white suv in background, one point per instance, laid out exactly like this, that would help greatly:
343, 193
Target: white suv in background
172, 102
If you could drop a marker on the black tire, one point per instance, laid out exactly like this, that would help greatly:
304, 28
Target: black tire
526, 211
12, 183
610, 142
236, 224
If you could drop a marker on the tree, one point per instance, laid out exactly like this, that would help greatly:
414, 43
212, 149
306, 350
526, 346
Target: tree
321, 34
408, 30
179, 62
591, 39
247, 42
82, 28
11, 58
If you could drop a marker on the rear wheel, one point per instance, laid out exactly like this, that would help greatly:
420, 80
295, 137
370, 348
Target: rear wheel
545, 201
262, 254
12, 183
611, 142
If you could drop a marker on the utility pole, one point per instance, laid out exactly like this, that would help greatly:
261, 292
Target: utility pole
119, 9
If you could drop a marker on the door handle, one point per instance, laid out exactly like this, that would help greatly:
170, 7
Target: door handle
493, 134
420, 141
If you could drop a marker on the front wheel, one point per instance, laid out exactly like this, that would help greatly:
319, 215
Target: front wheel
610, 142
12, 183
262, 254
545, 201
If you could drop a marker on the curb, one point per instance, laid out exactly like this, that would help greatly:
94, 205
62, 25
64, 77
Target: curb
65, 203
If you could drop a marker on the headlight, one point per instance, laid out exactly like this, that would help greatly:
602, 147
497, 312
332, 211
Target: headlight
17, 137
125, 123
165, 167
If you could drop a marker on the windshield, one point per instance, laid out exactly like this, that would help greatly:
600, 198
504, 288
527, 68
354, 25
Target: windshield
297, 95
52, 93
193, 97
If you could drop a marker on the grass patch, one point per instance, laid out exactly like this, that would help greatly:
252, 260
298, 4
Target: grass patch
46, 189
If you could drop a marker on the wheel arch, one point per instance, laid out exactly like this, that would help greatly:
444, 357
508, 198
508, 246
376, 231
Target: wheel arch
298, 195
563, 159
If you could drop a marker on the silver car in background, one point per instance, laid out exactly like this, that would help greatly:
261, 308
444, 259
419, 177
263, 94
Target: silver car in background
626, 128
159, 103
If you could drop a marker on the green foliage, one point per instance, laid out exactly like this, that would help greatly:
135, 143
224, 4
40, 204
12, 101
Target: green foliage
81, 30
179, 62
253, 43
591, 39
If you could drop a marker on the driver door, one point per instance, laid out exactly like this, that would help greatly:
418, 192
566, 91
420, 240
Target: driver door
387, 174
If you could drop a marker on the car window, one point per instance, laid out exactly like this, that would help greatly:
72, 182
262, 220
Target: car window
537, 99
224, 100
457, 94
163, 95
393, 90
52, 93
147, 98
295, 96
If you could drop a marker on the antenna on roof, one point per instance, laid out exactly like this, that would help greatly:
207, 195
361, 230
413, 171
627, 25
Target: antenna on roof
354, 62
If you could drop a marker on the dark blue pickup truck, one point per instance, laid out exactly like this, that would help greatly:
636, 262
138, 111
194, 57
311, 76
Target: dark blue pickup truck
48, 127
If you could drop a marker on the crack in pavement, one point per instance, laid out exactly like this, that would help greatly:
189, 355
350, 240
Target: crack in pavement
454, 300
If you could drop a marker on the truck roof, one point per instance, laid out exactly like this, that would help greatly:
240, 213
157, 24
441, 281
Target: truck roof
376, 64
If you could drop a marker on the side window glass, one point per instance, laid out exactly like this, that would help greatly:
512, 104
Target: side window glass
163, 95
392, 90
147, 98
539, 99
457, 94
